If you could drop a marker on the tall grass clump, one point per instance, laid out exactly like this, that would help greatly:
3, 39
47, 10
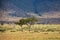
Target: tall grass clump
2, 29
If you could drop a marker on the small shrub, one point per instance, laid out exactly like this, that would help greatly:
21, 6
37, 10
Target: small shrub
46, 33
2, 30
13, 31
52, 30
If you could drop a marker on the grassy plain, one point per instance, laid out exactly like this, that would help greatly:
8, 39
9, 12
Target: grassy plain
44, 32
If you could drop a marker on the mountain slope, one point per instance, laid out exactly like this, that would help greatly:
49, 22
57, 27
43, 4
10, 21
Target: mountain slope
11, 12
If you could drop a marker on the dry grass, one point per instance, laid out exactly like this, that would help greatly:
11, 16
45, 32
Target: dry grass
29, 36
18, 35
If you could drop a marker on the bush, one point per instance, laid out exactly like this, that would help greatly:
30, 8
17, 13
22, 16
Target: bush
2, 29
52, 30
46, 33
12, 31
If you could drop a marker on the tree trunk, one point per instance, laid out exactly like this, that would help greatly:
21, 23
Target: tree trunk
29, 28
21, 28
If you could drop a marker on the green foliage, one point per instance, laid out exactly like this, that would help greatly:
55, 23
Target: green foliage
22, 21
26, 21
32, 20
2, 29
52, 30
17, 23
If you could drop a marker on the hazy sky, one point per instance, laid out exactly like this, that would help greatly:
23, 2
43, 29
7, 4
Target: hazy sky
41, 6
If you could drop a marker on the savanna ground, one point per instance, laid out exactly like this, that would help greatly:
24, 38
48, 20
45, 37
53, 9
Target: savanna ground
38, 32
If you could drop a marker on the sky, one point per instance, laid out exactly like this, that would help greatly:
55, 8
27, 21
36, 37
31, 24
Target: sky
45, 8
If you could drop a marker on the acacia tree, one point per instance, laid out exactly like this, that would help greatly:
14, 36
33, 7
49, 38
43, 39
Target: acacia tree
21, 23
31, 21
28, 21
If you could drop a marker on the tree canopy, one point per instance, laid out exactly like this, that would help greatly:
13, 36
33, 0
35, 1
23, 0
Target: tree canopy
27, 21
